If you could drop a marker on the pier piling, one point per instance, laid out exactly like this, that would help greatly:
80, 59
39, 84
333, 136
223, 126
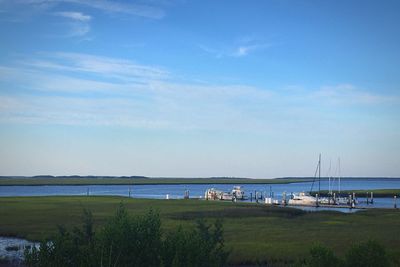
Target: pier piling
395, 202
284, 199
349, 201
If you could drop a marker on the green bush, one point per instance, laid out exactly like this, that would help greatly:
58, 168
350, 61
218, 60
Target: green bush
322, 256
364, 254
131, 241
199, 247
367, 254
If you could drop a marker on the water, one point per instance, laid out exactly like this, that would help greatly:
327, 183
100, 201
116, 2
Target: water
196, 190
176, 191
12, 248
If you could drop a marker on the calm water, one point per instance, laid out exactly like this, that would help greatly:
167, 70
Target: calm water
177, 191
13, 248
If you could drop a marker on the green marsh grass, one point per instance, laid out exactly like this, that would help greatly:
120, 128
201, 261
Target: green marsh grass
253, 232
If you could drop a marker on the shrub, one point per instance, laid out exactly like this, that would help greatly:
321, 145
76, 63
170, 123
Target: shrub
131, 241
367, 254
322, 256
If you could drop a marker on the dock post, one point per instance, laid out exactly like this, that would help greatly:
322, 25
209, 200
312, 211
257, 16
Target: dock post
372, 197
395, 202
334, 198
186, 195
129, 192
367, 198
284, 199
349, 200
251, 197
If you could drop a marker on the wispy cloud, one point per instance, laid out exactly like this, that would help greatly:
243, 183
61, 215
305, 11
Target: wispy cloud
348, 94
74, 15
240, 48
78, 22
82, 89
143, 10
244, 50
120, 7
105, 67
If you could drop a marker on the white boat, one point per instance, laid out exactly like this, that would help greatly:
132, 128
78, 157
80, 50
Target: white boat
271, 201
214, 194
238, 193
302, 198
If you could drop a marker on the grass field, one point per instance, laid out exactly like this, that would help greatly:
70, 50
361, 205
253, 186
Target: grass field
253, 232
138, 181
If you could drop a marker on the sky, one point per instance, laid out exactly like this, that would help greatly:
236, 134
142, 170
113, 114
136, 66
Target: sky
180, 88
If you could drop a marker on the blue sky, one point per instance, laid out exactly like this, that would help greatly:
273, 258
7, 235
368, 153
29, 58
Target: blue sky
199, 88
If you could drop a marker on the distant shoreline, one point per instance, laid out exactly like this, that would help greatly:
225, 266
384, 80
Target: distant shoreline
35, 181
142, 180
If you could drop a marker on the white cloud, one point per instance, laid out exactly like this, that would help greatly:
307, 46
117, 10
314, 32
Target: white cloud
348, 94
122, 69
241, 48
70, 88
79, 25
74, 15
119, 7
78, 29
103, 5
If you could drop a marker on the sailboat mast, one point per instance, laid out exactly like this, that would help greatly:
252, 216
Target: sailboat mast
330, 176
319, 174
339, 173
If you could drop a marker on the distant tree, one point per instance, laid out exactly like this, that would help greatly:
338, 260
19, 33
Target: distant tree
367, 254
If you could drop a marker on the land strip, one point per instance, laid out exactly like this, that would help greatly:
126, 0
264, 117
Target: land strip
137, 181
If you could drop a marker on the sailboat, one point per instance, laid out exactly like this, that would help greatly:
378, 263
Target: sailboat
305, 198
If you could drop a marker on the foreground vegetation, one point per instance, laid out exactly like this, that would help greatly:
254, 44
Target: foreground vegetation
253, 233
136, 181
131, 241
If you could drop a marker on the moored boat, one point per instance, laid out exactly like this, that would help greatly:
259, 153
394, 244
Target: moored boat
237, 193
302, 198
